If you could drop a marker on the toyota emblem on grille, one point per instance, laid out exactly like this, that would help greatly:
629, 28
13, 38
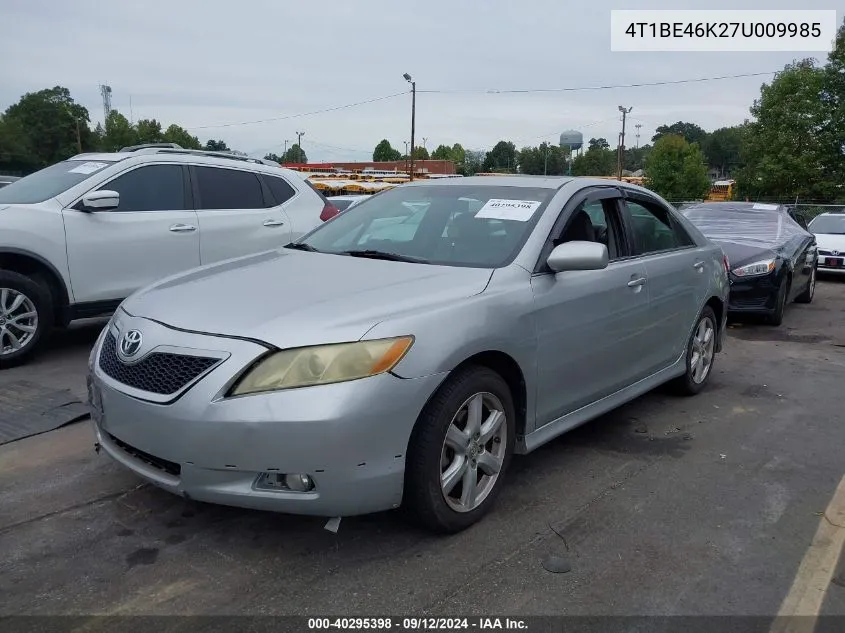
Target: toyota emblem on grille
130, 343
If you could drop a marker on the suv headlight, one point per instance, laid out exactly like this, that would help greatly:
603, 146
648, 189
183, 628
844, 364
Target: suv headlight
757, 268
322, 365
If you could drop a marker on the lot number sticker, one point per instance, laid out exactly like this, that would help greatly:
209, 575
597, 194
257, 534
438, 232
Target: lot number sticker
765, 207
88, 168
499, 209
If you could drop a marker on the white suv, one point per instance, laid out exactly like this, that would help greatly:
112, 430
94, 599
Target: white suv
78, 237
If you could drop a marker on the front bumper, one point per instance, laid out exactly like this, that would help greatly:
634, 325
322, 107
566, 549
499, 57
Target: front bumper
831, 264
756, 295
350, 438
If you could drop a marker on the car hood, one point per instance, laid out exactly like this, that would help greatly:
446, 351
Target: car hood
830, 242
744, 254
291, 298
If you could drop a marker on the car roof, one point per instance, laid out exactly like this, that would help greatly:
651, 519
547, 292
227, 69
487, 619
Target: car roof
171, 155
738, 206
516, 180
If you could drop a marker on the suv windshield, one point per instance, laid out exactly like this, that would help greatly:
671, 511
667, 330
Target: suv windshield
50, 181
828, 225
479, 226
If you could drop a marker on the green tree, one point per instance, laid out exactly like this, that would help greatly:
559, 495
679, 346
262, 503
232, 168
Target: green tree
420, 153
722, 149
501, 158
149, 131
179, 135
274, 157
459, 154
598, 143
546, 159
295, 154
635, 157
473, 162
16, 153
384, 151
443, 152
832, 134
118, 132
595, 162
54, 124
676, 169
216, 146
689, 131
784, 148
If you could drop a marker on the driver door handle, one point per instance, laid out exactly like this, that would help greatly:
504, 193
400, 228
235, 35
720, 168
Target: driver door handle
182, 228
273, 223
637, 282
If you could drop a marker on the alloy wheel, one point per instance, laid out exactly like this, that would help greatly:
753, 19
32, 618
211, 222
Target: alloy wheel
703, 348
18, 321
473, 452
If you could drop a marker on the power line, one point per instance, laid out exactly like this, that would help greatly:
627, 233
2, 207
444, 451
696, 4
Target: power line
605, 87
301, 114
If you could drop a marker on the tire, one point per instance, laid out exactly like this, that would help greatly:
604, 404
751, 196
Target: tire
429, 456
698, 347
776, 318
809, 291
36, 298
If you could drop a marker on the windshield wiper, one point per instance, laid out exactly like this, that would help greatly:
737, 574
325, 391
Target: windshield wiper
302, 246
391, 257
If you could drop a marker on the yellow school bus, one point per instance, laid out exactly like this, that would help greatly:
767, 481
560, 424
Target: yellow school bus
722, 190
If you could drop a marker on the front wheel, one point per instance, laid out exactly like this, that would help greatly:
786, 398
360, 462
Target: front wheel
459, 451
26, 317
701, 352
810, 290
776, 317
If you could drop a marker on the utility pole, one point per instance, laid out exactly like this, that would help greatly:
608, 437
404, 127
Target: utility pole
78, 137
625, 112
105, 92
638, 126
299, 136
406, 156
424, 142
546, 160
413, 119
286, 151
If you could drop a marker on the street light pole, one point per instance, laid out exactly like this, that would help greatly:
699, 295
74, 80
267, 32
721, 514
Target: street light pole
299, 136
413, 119
625, 112
286, 150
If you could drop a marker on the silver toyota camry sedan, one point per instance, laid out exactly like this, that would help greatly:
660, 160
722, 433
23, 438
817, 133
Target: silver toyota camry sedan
401, 353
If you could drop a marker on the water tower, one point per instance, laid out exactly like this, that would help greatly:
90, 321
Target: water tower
573, 141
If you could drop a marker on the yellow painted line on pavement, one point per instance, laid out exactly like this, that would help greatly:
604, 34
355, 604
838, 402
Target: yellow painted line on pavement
802, 605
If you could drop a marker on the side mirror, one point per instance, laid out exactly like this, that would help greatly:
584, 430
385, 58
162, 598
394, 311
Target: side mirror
578, 256
101, 200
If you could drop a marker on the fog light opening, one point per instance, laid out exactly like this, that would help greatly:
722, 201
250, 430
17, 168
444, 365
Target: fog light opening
282, 482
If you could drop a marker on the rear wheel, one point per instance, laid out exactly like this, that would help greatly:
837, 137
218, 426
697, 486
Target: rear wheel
460, 450
776, 318
809, 291
26, 317
701, 352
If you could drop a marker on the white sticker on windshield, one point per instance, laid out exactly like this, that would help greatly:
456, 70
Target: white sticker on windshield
499, 209
765, 207
88, 168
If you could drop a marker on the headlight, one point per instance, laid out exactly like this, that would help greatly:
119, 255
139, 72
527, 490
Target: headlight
757, 268
323, 364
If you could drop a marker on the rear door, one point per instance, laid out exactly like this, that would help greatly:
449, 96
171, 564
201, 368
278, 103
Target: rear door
152, 234
679, 275
589, 323
237, 213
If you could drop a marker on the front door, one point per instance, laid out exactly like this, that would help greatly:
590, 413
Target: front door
237, 215
589, 322
153, 233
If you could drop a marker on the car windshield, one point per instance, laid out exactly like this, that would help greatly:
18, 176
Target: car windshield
50, 181
828, 225
478, 226
743, 225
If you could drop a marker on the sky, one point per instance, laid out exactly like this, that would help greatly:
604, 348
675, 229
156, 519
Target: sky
214, 66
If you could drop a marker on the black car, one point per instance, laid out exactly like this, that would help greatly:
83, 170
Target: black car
772, 257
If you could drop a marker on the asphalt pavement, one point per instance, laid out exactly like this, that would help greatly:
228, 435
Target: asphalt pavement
667, 506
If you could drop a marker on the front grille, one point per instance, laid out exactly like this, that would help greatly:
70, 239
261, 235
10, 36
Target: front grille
160, 372
171, 468
824, 252
748, 303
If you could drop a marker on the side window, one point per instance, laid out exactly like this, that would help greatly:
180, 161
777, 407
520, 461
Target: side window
221, 188
150, 188
280, 189
654, 230
595, 221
